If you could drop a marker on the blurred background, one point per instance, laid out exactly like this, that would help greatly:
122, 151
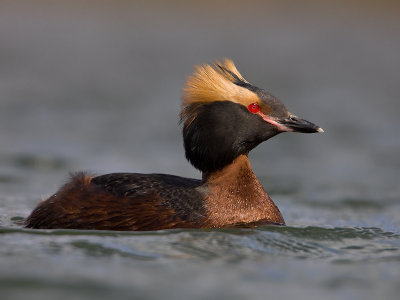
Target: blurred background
96, 86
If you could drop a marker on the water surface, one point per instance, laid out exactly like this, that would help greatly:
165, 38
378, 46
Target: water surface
97, 86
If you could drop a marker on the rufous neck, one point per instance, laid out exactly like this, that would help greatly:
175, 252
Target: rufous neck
240, 163
234, 195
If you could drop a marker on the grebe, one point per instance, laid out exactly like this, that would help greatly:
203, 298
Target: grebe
224, 117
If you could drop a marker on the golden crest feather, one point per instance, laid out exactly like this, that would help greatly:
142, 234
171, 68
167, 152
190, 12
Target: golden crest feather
217, 83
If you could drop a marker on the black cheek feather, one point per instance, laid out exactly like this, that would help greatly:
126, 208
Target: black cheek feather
209, 138
221, 132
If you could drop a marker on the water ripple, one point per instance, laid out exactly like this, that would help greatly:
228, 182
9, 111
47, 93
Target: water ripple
333, 244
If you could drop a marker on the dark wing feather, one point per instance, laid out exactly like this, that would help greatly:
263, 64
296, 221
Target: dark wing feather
123, 201
176, 193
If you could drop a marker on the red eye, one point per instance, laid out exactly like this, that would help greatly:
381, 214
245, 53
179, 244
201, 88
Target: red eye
254, 108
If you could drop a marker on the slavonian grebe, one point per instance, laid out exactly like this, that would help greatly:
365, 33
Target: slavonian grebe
224, 117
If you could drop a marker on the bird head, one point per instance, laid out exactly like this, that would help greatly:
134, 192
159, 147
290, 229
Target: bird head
223, 116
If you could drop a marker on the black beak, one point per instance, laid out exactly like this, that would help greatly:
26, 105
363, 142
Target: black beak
294, 123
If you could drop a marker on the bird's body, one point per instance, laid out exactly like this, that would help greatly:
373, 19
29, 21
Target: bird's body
131, 201
224, 118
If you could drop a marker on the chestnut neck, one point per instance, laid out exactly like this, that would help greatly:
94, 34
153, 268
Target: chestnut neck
239, 164
234, 195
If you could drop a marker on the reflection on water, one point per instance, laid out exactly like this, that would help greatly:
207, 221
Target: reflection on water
96, 87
